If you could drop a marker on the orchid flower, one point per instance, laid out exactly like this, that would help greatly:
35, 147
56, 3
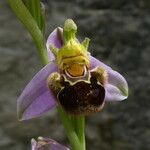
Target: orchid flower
46, 144
73, 79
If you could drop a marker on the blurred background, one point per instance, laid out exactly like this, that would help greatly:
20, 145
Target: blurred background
120, 36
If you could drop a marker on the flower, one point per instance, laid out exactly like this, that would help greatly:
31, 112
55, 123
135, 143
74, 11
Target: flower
74, 79
46, 144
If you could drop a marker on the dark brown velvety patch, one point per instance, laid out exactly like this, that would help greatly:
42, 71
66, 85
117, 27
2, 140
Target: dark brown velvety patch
82, 98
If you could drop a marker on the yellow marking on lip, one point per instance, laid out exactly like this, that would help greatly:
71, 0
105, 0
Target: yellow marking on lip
75, 70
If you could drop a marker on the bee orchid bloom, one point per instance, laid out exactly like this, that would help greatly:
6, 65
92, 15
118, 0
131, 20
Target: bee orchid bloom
46, 144
74, 79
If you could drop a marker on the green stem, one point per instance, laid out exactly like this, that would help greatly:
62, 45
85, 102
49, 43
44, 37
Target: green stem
81, 130
74, 126
79, 125
26, 18
72, 136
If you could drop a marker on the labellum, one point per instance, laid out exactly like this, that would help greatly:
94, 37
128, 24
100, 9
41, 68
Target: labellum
79, 95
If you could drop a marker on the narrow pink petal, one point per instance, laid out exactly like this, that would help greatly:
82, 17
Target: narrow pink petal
36, 98
117, 87
55, 39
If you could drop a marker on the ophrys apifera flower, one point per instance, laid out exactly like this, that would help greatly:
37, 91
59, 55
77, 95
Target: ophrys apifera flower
73, 79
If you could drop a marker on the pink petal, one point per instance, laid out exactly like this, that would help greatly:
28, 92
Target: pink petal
55, 39
46, 144
36, 98
113, 93
95, 62
117, 87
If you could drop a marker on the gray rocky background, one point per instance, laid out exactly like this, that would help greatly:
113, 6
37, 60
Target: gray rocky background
120, 36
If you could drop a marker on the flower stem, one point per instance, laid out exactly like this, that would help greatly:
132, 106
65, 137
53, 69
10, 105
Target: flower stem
80, 128
74, 126
72, 136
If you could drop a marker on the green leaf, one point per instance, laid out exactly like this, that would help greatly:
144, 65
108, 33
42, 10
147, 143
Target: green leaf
31, 25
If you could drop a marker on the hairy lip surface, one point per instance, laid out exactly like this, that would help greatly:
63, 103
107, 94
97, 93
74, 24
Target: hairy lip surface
82, 97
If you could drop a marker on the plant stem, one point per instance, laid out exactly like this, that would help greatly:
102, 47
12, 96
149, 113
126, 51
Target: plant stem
72, 136
80, 129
